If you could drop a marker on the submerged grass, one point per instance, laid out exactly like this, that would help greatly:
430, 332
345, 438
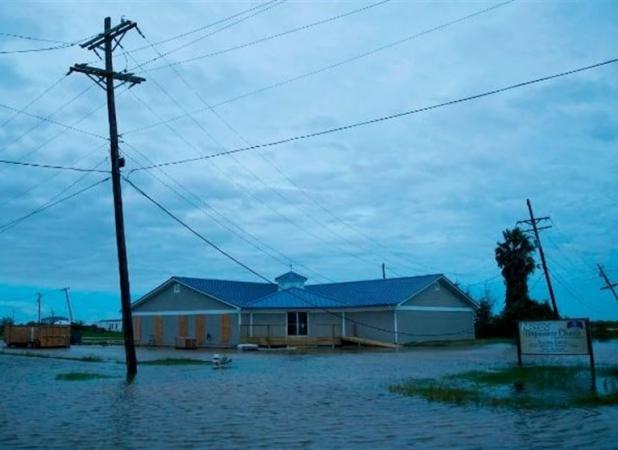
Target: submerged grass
175, 362
534, 387
86, 358
81, 376
462, 343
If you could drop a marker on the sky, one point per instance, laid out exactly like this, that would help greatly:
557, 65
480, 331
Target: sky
425, 193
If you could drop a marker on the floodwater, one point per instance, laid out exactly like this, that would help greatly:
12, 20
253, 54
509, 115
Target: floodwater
326, 399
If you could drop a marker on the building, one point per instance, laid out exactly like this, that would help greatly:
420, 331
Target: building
55, 320
110, 324
222, 313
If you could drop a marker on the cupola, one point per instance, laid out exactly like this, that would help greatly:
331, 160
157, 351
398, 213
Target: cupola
290, 280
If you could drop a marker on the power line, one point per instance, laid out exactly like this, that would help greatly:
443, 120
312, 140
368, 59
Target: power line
272, 36
218, 30
246, 169
47, 180
30, 38
55, 122
61, 44
33, 101
50, 166
328, 67
6, 226
203, 238
210, 25
384, 118
258, 244
14, 222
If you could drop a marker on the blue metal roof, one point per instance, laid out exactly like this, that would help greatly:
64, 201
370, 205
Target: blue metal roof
238, 293
352, 294
294, 298
374, 292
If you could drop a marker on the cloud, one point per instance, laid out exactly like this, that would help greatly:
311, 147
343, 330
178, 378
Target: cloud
426, 193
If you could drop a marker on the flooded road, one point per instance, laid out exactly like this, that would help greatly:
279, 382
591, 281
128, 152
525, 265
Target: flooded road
326, 399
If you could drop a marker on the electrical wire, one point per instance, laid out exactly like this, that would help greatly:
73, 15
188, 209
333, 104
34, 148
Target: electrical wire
383, 118
268, 7
55, 122
8, 225
243, 167
328, 67
61, 44
50, 166
272, 36
202, 28
33, 101
233, 227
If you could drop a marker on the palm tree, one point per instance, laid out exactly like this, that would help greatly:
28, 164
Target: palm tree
514, 257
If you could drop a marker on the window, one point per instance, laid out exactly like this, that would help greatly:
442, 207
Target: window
297, 323
176, 288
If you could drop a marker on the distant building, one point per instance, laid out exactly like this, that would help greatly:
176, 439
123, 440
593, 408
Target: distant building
221, 313
55, 320
110, 324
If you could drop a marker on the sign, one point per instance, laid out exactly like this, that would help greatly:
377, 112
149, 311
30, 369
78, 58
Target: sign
554, 337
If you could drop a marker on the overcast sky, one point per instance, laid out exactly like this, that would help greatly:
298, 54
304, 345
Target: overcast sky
425, 193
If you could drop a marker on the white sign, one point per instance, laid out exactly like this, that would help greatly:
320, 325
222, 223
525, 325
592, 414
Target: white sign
554, 337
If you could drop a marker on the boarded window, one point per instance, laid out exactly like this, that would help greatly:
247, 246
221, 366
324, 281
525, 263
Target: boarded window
183, 326
200, 329
158, 330
137, 329
226, 328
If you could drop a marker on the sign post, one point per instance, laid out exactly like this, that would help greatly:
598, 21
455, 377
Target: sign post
567, 337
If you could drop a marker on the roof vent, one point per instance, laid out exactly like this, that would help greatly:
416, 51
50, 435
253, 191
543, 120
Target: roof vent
290, 280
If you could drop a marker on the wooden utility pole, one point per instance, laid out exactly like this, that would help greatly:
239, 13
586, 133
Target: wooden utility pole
608, 284
107, 42
66, 296
533, 221
383, 271
38, 303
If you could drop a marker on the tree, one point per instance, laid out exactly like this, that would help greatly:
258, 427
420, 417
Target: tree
514, 257
4, 322
486, 322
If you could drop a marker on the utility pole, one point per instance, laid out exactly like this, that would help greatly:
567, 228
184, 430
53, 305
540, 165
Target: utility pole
66, 295
107, 42
533, 221
38, 303
608, 284
383, 271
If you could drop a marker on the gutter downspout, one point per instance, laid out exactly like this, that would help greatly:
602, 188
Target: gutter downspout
395, 325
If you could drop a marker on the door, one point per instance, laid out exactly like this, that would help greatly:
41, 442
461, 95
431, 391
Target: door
297, 323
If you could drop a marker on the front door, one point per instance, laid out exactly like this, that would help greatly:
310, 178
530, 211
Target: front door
297, 323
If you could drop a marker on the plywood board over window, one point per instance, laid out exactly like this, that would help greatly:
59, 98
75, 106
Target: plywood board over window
183, 326
158, 330
137, 329
200, 329
226, 328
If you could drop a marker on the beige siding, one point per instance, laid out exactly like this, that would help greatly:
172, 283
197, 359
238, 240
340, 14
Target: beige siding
376, 325
445, 296
415, 326
185, 300
273, 323
323, 324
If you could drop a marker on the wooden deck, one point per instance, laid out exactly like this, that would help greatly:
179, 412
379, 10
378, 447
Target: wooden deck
309, 341
368, 342
293, 341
